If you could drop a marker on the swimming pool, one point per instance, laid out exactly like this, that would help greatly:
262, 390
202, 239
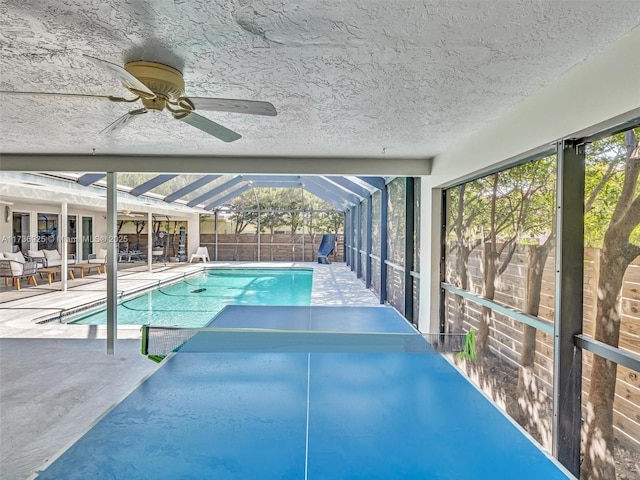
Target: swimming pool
195, 300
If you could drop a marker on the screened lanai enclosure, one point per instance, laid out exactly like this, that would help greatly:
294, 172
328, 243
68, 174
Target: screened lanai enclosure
477, 164
539, 259
252, 217
164, 218
542, 260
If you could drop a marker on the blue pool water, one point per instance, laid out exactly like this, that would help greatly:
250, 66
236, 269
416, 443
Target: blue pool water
194, 301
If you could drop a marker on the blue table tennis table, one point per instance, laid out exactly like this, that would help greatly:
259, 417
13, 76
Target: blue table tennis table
305, 415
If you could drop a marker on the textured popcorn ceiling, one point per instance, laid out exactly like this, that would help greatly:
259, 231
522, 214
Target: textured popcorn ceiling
348, 78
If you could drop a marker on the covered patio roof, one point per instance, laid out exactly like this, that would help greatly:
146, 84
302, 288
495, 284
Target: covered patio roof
210, 192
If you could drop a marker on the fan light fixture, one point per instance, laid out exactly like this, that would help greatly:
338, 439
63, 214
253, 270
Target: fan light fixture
166, 85
161, 87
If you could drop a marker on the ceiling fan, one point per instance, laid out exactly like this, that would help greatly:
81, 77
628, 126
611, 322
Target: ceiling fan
161, 87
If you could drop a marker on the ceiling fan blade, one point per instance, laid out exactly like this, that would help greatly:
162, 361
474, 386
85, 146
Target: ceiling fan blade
234, 106
123, 120
211, 127
130, 82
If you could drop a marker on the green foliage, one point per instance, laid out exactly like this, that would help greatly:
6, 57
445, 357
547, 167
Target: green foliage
376, 201
524, 206
134, 179
273, 209
526, 194
469, 348
327, 222
396, 220
604, 178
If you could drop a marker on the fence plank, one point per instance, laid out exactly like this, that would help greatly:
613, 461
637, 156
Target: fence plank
506, 336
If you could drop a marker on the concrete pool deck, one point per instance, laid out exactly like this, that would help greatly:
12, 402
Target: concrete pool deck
56, 380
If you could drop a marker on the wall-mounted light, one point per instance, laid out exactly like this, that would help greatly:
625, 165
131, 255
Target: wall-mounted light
7, 213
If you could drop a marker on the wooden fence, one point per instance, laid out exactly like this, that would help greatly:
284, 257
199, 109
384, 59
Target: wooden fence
506, 334
272, 248
244, 247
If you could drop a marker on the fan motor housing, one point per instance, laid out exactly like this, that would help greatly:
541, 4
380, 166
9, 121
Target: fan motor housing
165, 81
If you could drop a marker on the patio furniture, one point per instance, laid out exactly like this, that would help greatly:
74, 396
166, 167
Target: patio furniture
51, 273
49, 258
85, 266
14, 266
98, 259
129, 256
136, 255
202, 253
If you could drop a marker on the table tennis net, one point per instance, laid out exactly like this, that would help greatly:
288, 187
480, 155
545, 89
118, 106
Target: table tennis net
160, 341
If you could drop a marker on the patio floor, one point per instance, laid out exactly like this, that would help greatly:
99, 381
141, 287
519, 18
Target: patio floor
56, 380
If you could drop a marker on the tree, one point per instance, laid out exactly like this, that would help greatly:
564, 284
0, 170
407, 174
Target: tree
618, 251
504, 211
543, 220
321, 217
466, 205
513, 211
395, 220
244, 213
270, 209
164, 189
139, 224
494, 211
329, 222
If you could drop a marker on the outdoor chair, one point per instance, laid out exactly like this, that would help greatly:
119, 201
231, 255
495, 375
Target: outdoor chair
49, 258
98, 259
14, 266
201, 253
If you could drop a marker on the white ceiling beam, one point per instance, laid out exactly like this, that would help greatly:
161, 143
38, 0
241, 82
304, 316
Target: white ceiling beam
221, 165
